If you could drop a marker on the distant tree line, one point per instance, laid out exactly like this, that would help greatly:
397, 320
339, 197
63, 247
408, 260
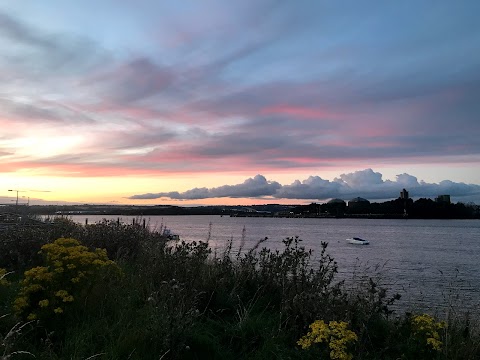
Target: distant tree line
420, 209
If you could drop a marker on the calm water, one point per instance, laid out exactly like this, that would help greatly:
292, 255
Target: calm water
432, 263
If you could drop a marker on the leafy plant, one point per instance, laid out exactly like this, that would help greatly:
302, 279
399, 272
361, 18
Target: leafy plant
425, 339
335, 334
70, 270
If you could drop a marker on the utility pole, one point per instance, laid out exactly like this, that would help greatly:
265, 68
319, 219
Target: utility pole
16, 202
28, 201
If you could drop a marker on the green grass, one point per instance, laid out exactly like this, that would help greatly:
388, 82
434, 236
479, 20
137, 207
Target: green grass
181, 301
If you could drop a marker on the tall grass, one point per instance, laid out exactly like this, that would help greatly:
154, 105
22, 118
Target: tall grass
179, 300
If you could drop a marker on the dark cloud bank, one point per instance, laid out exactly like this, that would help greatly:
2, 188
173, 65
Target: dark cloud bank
364, 183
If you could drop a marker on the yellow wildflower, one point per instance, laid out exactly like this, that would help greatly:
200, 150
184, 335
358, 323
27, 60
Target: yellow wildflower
32, 288
425, 329
20, 303
68, 298
434, 343
61, 293
39, 273
69, 269
335, 334
319, 332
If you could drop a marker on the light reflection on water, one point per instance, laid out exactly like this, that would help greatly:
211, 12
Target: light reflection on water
432, 263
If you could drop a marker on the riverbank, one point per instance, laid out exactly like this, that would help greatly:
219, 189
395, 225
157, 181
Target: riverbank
164, 299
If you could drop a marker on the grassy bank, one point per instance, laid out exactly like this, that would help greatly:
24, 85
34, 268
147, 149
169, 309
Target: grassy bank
145, 297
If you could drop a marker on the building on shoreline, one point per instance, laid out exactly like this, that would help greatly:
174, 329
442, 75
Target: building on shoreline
445, 199
358, 202
404, 197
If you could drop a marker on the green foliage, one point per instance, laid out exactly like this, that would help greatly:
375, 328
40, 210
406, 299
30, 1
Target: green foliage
20, 246
70, 271
425, 330
121, 241
180, 300
335, 334
425, 336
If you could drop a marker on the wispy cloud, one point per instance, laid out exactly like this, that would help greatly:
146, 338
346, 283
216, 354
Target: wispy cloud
159, 89
40, 55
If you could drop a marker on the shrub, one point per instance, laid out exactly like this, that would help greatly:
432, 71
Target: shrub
178, 300
20, 245
425, 337
306, 289
335, 334
121, 241
70, 271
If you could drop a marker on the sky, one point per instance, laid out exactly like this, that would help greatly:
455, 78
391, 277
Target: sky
238, 102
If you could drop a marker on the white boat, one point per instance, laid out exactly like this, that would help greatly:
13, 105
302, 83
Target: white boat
357, 241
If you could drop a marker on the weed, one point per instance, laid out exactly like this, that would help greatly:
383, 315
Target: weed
180, 300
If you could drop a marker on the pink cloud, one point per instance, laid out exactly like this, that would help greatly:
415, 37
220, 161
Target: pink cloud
77, 170
137, 112
301, 112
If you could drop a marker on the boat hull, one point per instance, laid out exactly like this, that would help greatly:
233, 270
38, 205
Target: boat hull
358, 241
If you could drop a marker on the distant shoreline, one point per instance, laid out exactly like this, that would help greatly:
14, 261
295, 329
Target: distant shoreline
395, 209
